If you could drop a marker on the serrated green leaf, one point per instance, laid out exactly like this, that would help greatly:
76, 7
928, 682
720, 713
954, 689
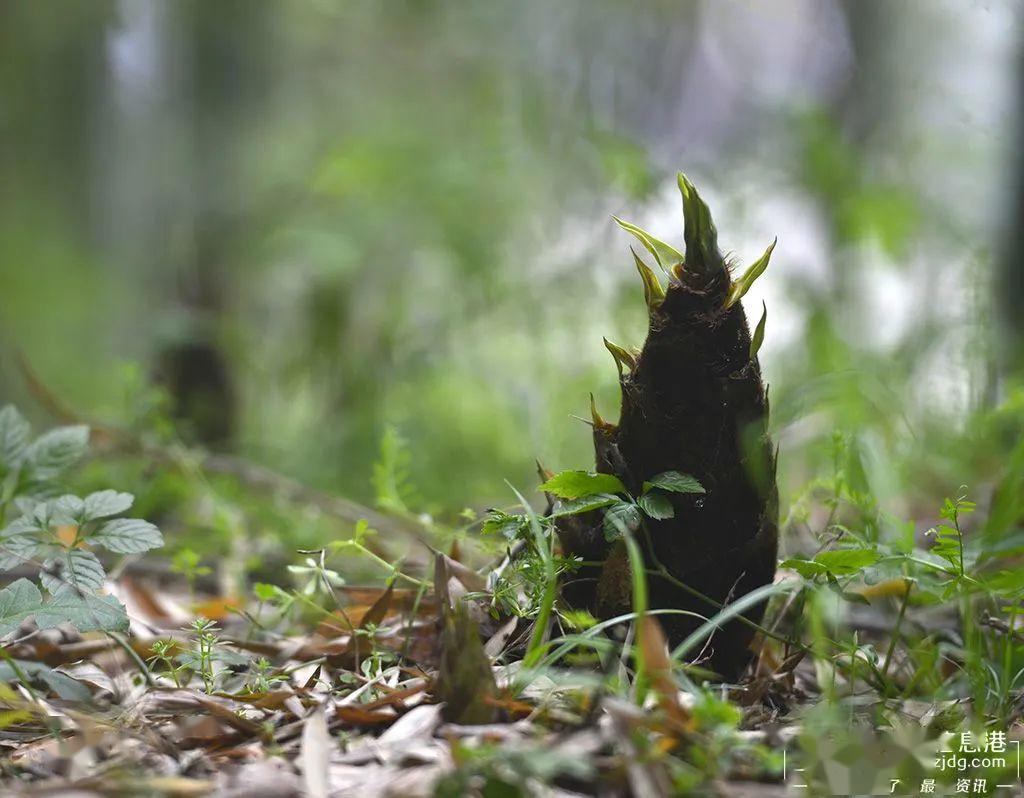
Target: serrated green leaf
105, 503
75, 567
674, 482
66, 509
656, 505
839, 562
53, 451
665, 254
19, 550
17, 603
574, 484
584, 504
21, 600
14, 432
25, 524
127, 536
620, 518
83, 610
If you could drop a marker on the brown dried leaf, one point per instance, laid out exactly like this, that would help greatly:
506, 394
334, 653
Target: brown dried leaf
654, 648
315, 755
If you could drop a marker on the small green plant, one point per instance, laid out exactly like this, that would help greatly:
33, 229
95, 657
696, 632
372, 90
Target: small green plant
187, 563
56, 531
163, 655
202, 657
264, 677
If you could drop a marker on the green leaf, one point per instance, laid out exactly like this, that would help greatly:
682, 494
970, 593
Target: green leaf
76, 567
808, 569
699, 234
127, 536
758, 337
63, 686
573, 484
584, 504
85, 611
57, 449
18, 550
14, 432
17, 603
105, 503
656, 505
839, 562
674, 482
22, 600
739, 287
621, 518
67, 509
267, 592
666, 255
654, 292
503, 524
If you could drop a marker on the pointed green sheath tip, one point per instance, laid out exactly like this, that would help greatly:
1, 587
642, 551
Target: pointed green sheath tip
622, 356
702, 254
739, 287
758, 337
599, 422
664, 254
654, 294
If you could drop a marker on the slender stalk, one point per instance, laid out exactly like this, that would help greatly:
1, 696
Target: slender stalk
639, 575
908, 585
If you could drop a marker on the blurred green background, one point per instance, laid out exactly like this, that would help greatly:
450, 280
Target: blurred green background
336, 229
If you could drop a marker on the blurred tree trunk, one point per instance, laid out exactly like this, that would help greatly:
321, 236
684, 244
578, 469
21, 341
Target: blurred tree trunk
1010, 283
224, 48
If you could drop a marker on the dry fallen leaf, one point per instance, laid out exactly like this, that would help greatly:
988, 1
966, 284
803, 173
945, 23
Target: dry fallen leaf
315, 755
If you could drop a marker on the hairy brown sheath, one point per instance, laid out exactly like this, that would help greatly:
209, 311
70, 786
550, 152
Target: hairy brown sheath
693, 402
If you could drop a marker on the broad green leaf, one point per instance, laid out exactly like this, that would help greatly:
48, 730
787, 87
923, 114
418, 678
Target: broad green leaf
53, 451
19, 550
83, 610
26, 524
75, 567
14, 432
65, 687
67, 509
657, 505
584, 504
666, 255
22, 600
674, 482
846, 561
127, 536
106, 503
573, 484
621, 518
18, 601
808, 569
